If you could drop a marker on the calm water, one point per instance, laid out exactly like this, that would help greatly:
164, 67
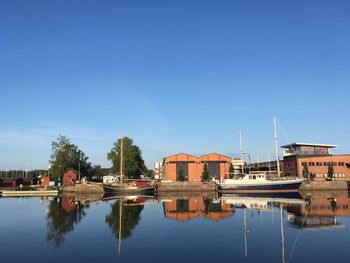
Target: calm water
180, 228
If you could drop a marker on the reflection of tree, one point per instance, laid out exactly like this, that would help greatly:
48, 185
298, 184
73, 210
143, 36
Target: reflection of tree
130, 217
62, 215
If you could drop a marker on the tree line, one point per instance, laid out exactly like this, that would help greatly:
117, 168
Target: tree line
67, 156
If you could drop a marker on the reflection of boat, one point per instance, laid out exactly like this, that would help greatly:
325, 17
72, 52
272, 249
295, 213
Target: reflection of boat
260, 204
115, 183
257, 203
259, 182
129, 187
120, 196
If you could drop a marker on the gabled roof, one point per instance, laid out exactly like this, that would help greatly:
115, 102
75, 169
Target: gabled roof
215, 153
183, 154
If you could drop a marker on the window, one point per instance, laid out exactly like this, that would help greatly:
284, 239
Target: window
254, 177
182, 205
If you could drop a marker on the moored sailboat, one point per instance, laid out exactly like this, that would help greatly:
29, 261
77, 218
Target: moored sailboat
259, 182
116, 184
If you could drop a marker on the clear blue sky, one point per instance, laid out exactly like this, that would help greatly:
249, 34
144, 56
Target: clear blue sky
176, 76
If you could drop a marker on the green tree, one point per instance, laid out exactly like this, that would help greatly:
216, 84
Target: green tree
330, 170
205, 174
305, 170
231, 171
65, 156
132, 158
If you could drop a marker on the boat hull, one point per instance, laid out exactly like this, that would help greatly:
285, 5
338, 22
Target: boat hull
127, 189
281, 187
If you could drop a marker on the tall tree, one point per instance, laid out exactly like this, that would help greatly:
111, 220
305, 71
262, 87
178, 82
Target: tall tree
66, 155
132, 158
231, 171
205, 174
305, 171
330, 170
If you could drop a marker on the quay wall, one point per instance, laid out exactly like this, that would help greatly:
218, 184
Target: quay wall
186, 187
85, 188
324, 185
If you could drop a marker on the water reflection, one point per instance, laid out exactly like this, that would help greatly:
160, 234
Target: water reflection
321, 210
63, 213
184, 207
123, 215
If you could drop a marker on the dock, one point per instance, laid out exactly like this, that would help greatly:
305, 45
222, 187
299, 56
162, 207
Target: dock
15, 193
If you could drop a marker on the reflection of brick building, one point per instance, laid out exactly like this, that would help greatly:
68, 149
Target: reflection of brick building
325, 206
321, 211
317, 158
193, 207
191, 167
68, 203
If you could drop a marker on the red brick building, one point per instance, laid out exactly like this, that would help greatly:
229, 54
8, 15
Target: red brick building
191, 167
70, 177
317, 158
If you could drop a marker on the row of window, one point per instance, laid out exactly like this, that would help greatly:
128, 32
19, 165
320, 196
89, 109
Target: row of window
324, 163
324, 207
326, 175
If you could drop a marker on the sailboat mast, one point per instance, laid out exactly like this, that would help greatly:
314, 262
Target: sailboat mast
276, 146
241, 149
121, 158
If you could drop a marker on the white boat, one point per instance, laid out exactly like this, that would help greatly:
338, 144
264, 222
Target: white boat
259, 182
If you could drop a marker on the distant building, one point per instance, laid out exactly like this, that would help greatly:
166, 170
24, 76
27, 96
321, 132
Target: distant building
317, 158
158, 170
18, 181
188, 167
238, 165
45, 181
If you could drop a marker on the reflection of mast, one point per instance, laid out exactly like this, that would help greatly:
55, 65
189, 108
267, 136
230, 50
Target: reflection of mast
282, 234
120, 226
245, 233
